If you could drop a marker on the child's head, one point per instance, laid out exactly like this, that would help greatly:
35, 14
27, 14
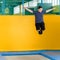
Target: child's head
40, 9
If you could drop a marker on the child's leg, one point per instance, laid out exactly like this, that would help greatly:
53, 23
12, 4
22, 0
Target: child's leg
38, 27
41, 31
42, 27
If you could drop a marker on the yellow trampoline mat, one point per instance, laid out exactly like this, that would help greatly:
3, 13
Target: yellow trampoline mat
18, 33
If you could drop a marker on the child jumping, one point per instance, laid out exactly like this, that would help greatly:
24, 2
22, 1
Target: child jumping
39, 22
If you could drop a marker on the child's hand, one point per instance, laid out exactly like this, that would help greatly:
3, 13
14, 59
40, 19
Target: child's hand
24, 7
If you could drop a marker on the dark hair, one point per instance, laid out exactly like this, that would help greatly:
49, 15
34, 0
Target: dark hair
39, 7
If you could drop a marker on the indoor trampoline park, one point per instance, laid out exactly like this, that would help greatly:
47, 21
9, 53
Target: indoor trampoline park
19, 39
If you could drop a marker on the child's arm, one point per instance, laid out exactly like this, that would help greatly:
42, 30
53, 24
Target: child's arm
28, 10
49, 10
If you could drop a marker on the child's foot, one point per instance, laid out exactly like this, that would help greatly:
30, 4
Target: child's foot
40, 32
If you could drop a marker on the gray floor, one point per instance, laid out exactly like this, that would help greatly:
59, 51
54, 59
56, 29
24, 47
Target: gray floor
52, 53
27, 57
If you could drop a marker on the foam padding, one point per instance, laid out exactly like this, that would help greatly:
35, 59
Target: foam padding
18, 33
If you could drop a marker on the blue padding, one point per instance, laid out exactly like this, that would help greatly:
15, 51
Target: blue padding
20, 53
40, 52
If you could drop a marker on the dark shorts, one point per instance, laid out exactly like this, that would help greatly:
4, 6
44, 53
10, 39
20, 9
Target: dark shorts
40, 26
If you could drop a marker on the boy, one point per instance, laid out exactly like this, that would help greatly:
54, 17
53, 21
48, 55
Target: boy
39, 22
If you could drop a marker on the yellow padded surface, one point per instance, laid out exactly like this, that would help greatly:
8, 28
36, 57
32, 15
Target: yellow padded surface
18, 33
